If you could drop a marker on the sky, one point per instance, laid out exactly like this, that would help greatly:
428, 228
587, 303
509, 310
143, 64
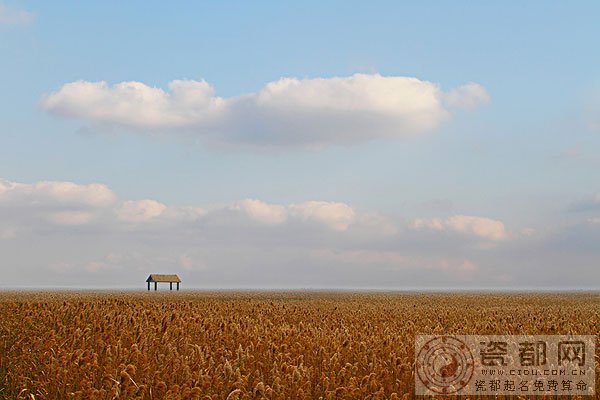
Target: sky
352, 145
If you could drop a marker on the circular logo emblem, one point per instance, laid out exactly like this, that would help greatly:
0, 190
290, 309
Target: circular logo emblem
444, 364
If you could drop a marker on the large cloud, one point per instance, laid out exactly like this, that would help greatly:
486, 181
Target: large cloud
287, 112
62, 232
68, 203
137, 105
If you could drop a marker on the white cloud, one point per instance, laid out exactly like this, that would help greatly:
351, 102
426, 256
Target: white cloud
337, 216
68, 203
135, 104
260, 211
288, 112
469, 96
140, 210
38, 204
71, 204
486, 228
56, 192
252, 243
9, 16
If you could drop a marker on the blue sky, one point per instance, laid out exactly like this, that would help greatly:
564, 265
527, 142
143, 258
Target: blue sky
525, 155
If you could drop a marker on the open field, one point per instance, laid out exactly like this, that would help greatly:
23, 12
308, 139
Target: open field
247, 345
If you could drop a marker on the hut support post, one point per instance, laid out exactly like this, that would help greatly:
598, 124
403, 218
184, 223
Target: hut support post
154, 285
177, 285
170, 285
148, 285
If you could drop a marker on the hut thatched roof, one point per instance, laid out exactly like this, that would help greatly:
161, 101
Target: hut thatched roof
163, 278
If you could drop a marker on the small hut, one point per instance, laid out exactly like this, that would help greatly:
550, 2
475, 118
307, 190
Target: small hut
156, 278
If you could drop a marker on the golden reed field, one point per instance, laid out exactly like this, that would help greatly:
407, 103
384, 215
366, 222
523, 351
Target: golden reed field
250, 345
